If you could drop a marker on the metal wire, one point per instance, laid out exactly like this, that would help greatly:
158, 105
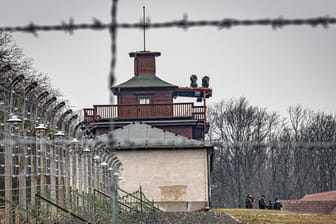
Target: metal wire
184, 23
113, 34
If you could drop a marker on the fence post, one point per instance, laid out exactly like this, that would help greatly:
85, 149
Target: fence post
33, 177
141, 206
36, 206
8, 175
22, 184
42, 159
52, 159
94, 198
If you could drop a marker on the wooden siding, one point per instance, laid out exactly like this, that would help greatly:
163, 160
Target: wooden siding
157, 97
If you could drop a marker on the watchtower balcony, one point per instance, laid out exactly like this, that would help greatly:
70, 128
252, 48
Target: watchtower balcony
144, 111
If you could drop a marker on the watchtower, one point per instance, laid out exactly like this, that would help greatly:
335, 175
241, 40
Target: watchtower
148, 99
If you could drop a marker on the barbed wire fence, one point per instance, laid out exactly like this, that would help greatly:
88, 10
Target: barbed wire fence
113, 26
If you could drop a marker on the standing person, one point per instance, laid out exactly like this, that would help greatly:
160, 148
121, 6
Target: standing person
262, 203
277, 204
249, 200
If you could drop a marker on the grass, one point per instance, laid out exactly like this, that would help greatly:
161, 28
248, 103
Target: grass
258, 216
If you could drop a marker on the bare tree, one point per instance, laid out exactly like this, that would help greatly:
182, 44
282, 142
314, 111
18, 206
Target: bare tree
257, 152
320, 134
241, 132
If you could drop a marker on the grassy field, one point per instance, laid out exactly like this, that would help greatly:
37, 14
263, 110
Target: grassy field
258, 216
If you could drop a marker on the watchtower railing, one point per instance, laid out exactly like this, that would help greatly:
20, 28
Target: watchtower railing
144, 111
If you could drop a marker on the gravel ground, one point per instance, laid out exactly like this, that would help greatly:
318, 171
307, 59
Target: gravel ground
181, 218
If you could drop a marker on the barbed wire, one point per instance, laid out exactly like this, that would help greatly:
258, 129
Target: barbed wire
112, 78
71, 26
113, 34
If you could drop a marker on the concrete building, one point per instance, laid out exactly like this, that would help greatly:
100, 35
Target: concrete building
173, 170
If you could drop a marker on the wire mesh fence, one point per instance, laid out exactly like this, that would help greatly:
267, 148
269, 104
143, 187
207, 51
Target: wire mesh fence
42, 163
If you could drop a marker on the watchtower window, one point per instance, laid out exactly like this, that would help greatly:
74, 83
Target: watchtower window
144, 100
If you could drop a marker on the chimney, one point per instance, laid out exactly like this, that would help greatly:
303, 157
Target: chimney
144, 62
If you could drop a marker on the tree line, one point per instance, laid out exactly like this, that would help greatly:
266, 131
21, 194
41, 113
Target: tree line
263, 153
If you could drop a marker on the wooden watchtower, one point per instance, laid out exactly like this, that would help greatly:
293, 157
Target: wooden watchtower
148, 99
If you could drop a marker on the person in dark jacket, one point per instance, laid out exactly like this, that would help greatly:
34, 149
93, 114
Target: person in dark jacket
262, 203
277, 204
270, 204
249, 201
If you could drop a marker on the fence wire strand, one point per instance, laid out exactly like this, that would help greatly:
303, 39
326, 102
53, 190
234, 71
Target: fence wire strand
71, 26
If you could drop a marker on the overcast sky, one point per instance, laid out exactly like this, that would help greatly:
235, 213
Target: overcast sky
272, 68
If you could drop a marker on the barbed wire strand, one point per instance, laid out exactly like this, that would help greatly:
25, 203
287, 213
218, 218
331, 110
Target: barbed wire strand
113, 35
184, 23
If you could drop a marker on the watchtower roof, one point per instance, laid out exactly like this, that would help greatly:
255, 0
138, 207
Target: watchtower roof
144, 81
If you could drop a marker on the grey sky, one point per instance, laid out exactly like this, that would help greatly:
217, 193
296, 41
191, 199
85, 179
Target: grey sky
272, 68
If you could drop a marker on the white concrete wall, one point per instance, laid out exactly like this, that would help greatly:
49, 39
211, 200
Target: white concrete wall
166, 175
